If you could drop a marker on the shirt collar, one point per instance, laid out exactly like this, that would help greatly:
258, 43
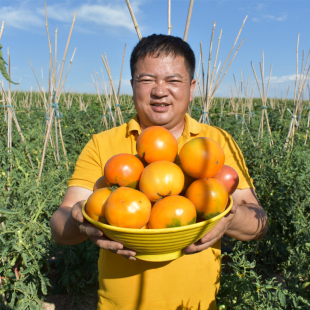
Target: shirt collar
133, 125
191, 126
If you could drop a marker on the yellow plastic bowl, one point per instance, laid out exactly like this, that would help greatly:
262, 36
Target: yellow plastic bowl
158, 245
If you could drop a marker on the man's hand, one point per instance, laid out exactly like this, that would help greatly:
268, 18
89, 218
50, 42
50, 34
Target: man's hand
214, 235
69, 226
246, 221
96, 235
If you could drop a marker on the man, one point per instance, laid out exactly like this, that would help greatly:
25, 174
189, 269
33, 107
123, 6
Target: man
162, 69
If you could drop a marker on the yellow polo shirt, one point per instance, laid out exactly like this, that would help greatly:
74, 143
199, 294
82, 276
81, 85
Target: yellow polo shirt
189, 282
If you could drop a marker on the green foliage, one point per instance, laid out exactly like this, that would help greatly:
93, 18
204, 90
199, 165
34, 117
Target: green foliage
28, 253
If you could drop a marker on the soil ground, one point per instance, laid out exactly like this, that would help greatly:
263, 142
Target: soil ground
63, 302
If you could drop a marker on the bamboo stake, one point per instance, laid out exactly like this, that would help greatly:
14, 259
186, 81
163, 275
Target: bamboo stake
308, 122
63, 82
55, 70
203, 70
120, 79
189, 15
108, 101
65, 54
41, 92
1, 30
56, 96
134, 20
297, 101
215, 60
63, 145
169, 17
49, 41
16, 123
99, 98
217, 81
117, 108
207, 98
9, 120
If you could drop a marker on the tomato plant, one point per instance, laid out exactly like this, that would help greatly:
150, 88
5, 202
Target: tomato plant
156, 144
202, 157
160, 179
95, 206
172, 211
229, 177
123, 170
128, 208
209, 197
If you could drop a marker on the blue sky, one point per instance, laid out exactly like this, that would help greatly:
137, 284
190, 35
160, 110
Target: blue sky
105, 26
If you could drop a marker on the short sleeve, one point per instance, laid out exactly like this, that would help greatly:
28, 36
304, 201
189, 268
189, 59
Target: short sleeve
88, 168
235, 159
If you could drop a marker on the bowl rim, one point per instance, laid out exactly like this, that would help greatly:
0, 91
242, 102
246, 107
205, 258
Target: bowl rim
159, 230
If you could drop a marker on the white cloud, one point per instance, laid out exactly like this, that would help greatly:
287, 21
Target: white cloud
20, 18
260, 6
103, 15
255, 19
284, 78
278, 19
27, 15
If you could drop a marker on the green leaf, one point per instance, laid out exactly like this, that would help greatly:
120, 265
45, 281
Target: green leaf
2, 219
6, 211
27, 270
282, 298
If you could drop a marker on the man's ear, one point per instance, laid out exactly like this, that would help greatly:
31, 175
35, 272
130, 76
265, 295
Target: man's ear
131, 83
192, 87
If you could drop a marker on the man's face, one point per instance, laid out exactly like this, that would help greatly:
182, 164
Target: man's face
162, 90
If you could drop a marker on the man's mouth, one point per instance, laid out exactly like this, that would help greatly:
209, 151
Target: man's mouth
160, 104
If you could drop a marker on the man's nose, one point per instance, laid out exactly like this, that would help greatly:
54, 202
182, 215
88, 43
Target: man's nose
159, 90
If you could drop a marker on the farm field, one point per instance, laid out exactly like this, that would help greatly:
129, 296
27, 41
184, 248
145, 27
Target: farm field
272, 273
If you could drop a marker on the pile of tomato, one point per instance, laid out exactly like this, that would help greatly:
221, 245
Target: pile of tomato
159, 188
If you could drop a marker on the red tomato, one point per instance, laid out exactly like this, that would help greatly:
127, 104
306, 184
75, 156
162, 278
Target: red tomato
160, 179
96, 202
156, 144
100, 183
209, 197
229, 177
172, 211
128, 208
202, 157
123, 170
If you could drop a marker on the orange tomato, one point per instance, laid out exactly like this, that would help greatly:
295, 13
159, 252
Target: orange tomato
100, 183
160, 179
128, 208
172, 211
156, 144
123, 170
229, 177
202, 157
96, 202
209, 197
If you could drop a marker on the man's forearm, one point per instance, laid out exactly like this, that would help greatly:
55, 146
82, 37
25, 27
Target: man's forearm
250, 222
64, 228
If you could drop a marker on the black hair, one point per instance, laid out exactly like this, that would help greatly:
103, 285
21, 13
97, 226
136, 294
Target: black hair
156, 45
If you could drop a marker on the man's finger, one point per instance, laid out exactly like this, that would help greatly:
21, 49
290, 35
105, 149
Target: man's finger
90, 230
